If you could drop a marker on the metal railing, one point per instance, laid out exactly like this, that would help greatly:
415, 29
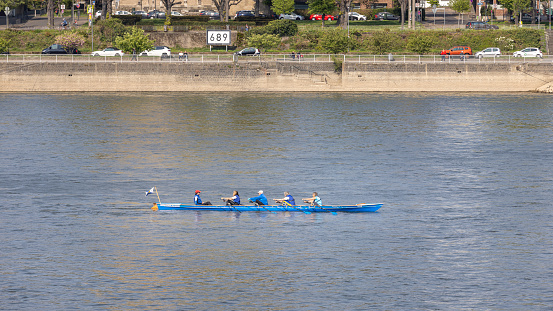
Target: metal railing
297, 58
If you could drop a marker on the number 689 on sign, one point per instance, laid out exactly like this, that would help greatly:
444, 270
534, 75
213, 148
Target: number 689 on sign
218, 37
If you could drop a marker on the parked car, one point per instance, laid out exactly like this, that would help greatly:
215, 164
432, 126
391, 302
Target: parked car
59, 49
244, 14
141, 13
122, 13
211, 14
161, 51
488, 52
480, 25
386, 16
111, 51
528, 52
249, 52
526, 18
458, 50
176, 13
354, 16
156, 14
318, 17
291, 16
98, 13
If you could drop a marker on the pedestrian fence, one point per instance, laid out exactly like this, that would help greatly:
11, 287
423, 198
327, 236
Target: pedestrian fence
297, 58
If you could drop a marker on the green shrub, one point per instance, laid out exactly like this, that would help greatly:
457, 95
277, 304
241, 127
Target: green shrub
383, 42
109, 29
4, 45
336, 41
128, 20
420, 44
266, 41
282, 27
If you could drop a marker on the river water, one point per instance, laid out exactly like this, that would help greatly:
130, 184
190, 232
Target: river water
466, 181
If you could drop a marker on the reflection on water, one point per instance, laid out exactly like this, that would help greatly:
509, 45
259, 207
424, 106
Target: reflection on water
466, 182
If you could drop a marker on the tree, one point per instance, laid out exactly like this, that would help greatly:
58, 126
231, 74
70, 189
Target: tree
168, 4
282, 6
70, 39
343, 7
460, 6
519, 6
223, 7
135, 39
403, 5
321, 7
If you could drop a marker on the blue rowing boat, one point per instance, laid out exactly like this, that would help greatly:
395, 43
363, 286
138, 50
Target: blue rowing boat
358, 208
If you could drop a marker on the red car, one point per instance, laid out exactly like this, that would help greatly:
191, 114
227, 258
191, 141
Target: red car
318, 17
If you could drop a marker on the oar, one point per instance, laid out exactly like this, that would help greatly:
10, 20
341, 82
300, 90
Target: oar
288, 204
332, 212
232, 206
256, 204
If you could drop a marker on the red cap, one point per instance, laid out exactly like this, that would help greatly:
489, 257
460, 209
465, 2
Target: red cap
198, 191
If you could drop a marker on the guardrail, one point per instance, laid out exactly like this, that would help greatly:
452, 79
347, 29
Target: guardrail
230, 58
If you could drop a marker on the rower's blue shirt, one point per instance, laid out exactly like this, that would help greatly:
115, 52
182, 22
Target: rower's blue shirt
290, 200
261, 198
197, 200
236, 199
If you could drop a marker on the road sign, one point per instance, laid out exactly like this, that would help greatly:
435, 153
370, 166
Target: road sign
434, 8
218, 37
7, 10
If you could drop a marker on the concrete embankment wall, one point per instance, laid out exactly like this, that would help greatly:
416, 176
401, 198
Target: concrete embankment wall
274, 77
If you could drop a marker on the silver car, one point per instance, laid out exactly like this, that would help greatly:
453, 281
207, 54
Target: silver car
354, 16
489, 52
291, 16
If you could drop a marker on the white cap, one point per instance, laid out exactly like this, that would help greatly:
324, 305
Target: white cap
260, 192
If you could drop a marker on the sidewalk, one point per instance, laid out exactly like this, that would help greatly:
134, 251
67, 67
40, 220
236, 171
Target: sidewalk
38, 22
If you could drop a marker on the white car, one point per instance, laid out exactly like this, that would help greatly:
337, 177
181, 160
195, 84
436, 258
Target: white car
528, 52
291, 16
160, 51
108, 52
354, 16
175, 13
122, 13
489, 52
98, 13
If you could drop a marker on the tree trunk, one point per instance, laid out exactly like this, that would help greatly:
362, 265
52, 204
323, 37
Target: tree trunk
104, 9
227, 6
50, 13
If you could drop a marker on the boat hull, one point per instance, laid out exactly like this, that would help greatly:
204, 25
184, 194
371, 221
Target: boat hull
359, 208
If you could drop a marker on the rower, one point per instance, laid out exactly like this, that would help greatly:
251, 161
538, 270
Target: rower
287, 198
234, 200
260, 199
314, 201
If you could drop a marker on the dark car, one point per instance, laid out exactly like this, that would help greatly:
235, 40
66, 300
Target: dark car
59, 49
480, 25
386, 16
211, 14
244, 14
141, 13
248, 52
156, 14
